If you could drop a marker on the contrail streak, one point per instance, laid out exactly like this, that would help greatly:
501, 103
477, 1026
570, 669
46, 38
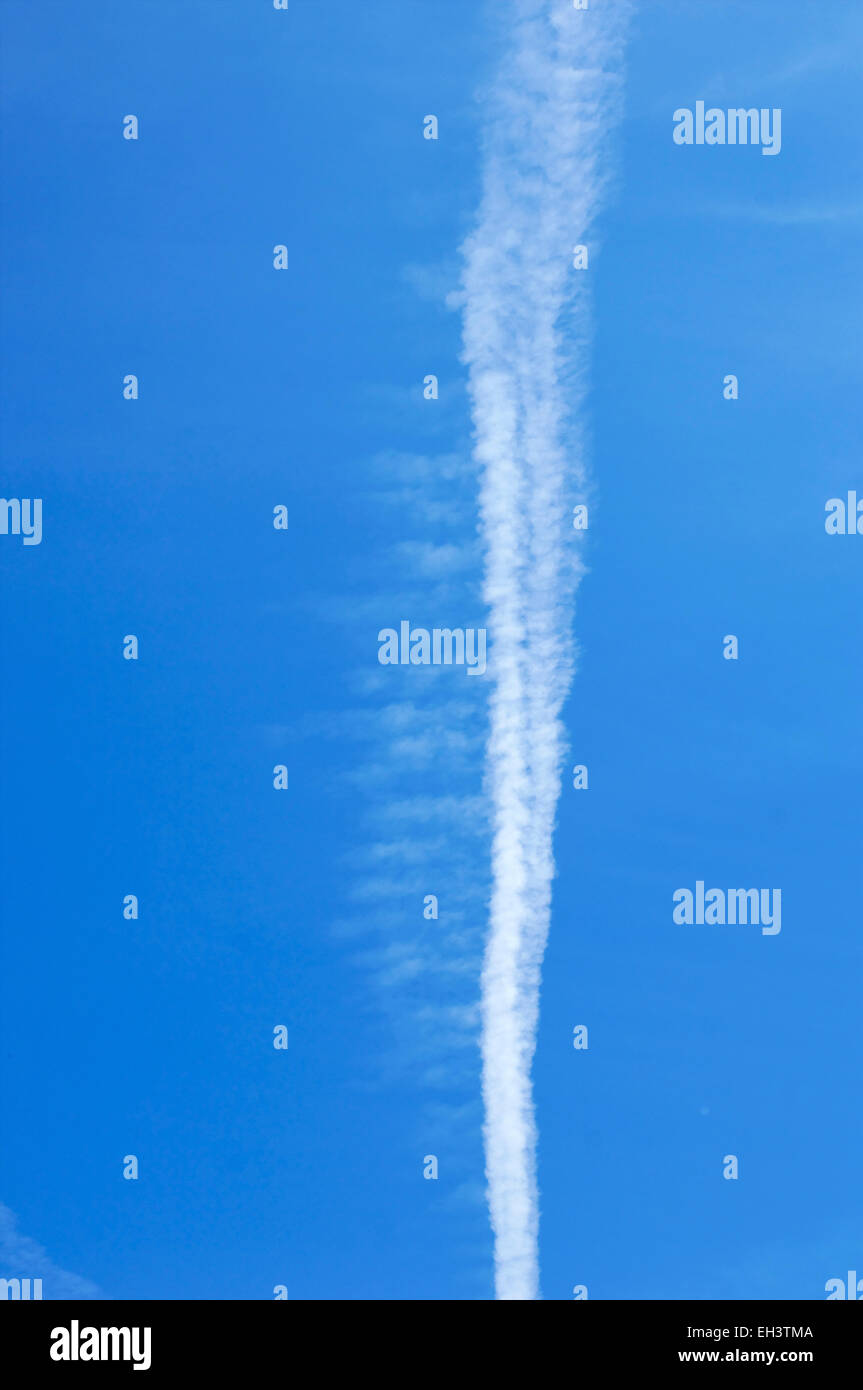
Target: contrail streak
553, 100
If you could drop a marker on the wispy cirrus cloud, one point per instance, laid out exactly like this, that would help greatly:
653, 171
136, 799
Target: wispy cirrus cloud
550, 107
23, 1258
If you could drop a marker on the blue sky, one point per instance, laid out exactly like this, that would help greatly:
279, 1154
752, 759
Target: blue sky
258, 647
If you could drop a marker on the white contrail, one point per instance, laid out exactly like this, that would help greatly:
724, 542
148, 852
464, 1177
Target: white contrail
551, 104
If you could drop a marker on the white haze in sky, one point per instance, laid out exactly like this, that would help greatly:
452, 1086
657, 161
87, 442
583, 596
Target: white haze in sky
554, 98
23, 1258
